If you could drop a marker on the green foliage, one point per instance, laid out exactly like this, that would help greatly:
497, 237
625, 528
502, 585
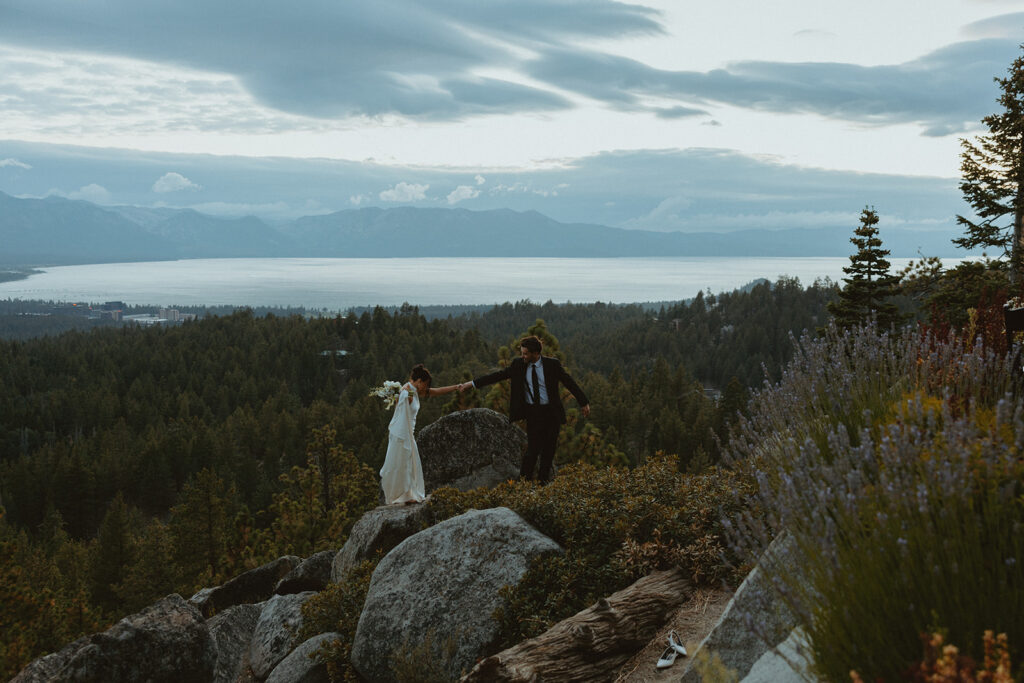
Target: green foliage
198, 527
897, 484
110, 556
949, 295
337, 609
869, 286
992, 172
320, 502
44, 602
712, 669
153, 573
615, 524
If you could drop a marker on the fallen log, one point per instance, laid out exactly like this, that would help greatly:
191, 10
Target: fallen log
594, 644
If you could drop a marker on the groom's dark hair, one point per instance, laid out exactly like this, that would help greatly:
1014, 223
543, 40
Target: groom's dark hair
531, 344
420, 372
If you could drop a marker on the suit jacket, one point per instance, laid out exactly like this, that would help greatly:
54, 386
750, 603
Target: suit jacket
554, 374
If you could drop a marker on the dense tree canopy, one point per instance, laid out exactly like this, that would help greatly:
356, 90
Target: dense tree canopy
139, 461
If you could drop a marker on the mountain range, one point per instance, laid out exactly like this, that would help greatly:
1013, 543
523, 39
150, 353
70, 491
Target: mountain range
58, 231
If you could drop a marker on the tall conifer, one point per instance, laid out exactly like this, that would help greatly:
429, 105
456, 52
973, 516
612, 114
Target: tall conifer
869, 287
992, 170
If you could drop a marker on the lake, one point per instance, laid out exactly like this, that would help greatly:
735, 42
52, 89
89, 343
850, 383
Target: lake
339, 284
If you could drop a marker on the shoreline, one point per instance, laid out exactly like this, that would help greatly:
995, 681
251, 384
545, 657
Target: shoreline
15, 273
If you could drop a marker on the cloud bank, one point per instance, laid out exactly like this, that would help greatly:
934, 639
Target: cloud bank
446, 61
692, 190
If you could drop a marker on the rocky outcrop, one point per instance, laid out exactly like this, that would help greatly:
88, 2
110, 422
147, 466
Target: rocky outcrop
755, 621
280, 618
470, 448
232, 632
313, 574
168, 641
379, 530
255, 585
301, 666
442, 585
788, 662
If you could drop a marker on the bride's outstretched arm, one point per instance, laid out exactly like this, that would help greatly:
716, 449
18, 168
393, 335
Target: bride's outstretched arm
442, 390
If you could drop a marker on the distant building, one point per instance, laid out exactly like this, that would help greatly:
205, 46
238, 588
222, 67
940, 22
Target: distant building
144, 319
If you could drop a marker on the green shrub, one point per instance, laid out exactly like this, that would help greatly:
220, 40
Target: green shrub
616, 524
337, 608
894, 465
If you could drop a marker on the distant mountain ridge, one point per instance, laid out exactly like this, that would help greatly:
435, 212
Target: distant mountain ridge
63, 231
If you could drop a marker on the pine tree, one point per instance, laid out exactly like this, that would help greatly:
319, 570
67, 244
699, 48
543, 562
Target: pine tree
199, 526
320, 501
869, 286
152, 575
992, 169
111, 554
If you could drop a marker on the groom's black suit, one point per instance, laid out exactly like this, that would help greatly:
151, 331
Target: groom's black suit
542, 421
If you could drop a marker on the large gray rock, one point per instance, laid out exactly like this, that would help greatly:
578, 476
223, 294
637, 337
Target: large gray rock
232, 631
755, 621
788, 662
168, 641
378, 530
280, 618
470, 448
441, 585
302, 666
255, 585
312, 575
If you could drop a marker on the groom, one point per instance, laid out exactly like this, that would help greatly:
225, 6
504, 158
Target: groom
535, 398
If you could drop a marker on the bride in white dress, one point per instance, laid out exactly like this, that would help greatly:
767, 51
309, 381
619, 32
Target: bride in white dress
401, 477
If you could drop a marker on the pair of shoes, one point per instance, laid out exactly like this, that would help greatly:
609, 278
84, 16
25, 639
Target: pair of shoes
675, 649
667, 659
673, 642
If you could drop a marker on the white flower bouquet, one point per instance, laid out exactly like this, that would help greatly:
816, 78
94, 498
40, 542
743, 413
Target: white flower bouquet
388, 392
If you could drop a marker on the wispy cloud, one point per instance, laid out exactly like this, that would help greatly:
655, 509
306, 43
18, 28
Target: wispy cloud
943, 91
393, 56
4, 163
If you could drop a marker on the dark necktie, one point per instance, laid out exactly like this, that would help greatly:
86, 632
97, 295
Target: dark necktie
536, 386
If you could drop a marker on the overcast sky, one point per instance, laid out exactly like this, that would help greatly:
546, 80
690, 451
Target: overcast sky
666, 115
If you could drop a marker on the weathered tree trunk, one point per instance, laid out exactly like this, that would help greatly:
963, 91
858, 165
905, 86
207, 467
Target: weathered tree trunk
594, 644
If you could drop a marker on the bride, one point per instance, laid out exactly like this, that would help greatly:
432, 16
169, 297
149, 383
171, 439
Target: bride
401, 477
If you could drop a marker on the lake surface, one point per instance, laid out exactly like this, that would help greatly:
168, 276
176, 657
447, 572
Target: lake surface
339, 284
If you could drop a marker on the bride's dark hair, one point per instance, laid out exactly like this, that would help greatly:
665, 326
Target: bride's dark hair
420, 372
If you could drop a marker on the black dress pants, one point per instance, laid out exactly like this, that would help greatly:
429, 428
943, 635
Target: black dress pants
542, 427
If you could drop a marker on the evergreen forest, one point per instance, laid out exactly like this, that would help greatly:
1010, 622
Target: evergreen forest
137, 461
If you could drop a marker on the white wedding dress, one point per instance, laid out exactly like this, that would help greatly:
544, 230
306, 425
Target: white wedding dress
401, 477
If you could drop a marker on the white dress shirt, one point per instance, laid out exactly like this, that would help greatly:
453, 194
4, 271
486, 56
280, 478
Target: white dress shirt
540, 380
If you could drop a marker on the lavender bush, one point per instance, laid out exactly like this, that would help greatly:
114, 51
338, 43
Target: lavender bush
892, 467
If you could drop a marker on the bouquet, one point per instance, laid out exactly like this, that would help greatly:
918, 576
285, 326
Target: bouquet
388, 392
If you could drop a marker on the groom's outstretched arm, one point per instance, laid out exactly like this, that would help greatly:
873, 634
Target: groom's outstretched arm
492, 378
